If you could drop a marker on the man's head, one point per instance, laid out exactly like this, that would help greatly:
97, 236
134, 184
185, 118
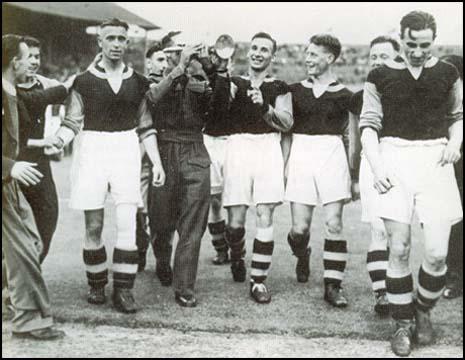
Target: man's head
262, 51
34, 54
321, 53
382, 49
15, 57
113, 39
157, 61
417, 34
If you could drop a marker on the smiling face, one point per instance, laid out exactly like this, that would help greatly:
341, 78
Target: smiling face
417, 46
380, 53
113, 41
34, 60
317, 60
260, 54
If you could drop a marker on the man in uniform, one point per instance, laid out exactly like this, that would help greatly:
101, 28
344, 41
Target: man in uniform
412, 131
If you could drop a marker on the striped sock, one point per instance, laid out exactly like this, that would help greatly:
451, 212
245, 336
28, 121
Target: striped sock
335, 257
298, 243
399, 287
430, 286
236, 242
377, 262
124, 268
96, 267
262, 252
217, 231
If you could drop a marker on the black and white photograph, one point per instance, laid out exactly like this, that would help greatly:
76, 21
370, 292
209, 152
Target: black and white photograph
232, 179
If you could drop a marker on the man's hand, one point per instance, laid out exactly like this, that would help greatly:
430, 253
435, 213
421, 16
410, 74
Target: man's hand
450, 155
382, 182
26, 173
256, 96
53, 141
159, 176
187, 53
68, 84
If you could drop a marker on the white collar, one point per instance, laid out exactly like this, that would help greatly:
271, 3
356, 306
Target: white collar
9, 88
402, 65
99, 72
334, 86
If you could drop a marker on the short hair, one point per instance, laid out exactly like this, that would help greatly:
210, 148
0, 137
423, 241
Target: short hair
329, 42
10, 48
32, 41
416, 21
153, 49
385, 39
455, 60
264, 35
114, 22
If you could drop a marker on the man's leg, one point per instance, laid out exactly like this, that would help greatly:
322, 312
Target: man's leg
27, 288
299, 238
217, 229
399, 286
335, 254
95, 256
263, 246
125, 258
431, 278
235, 237
377, 261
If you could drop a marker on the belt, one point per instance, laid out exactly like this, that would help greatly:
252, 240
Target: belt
180, 136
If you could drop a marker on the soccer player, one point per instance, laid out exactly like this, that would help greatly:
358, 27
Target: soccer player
20, 238
454, 275
412, 130
42, 197
253, 171
318, 169
157, 64
382, 49
179, 199
106, 99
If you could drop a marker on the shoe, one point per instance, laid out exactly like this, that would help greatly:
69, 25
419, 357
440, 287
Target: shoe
123, 300
302, 268
96, 296
165, 275
186, 301
142, 261
401, 342
453, 286
49, 333
260, 293
424, 334
238, 270
451, 293
382, 304
334, 296
221, 258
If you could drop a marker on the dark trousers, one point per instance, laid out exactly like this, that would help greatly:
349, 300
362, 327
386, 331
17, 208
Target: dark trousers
455, 254
182, 204
43, 200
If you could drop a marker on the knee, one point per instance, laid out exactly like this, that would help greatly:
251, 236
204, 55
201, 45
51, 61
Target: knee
94, 231
399, 252
216, 205
301, 228
435, 259
333, 226
264, 216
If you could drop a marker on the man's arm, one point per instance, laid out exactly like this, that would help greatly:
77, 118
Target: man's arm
355, 145
35, 100
370, 125
452, 151
280, 117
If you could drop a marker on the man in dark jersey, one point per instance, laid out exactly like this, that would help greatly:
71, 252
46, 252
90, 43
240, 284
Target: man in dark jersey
382, 49
254, 169
181, 102
106, 100
318, 170
412, 130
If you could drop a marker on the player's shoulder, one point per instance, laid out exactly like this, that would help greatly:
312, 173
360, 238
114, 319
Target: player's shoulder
447, 71
278, 86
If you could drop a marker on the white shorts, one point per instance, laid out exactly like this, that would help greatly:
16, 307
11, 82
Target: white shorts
103, 162
419, 183
318, 170
253, 170
216, 147
368, 193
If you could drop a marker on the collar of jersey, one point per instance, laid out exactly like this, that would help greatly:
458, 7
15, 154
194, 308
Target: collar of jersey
30, 85
268, 78
401, 64
335, 86
100, 72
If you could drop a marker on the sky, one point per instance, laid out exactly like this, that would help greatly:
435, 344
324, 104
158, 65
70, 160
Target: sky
293, 22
